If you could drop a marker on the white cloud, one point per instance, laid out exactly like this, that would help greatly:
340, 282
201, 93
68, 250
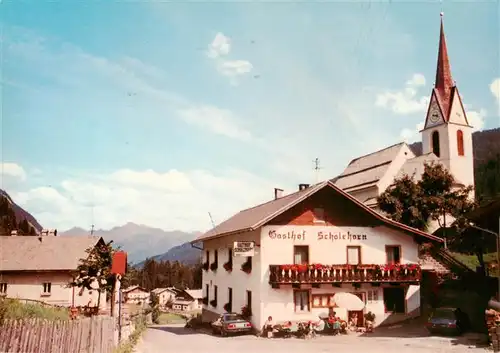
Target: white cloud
220, 46
13, 170
476, 118
218, 50
410, 136
170, 200
407, 100
234, 67
219, 121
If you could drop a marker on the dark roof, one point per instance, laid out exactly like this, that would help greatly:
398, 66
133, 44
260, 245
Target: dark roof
255, 217
489, 209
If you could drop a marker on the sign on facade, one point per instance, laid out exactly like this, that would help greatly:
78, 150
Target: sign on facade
244, 248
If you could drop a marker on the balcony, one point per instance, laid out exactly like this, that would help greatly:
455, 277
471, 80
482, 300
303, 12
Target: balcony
333, 274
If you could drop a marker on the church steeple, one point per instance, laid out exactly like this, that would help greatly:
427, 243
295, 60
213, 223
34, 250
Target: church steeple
444, 82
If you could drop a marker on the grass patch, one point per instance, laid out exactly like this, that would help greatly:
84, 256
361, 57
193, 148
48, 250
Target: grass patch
128, 346
472, 262
16, 309
167, 318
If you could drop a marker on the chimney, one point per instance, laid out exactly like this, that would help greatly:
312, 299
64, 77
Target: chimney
278, 193
303, 186
13, 233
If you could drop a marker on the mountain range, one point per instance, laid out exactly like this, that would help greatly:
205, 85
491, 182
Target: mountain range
141, 242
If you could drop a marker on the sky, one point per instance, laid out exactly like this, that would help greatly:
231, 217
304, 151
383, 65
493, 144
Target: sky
160, 113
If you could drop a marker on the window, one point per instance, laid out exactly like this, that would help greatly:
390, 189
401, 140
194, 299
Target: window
207, 290
216, 257
230, 256
3, 288
353, 255
47, 287
208, 256
460, 142
215, 293
301, 300
249, 300
435, 143
372, 296
300, 254
230, 299
393, 254
319, 215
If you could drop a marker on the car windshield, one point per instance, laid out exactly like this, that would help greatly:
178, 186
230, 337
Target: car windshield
232, 317
444, 314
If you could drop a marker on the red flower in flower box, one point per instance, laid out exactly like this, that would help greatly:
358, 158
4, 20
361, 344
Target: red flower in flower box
285, 267
228, 266
301, 268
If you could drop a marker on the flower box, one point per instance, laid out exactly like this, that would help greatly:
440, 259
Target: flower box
246, 312
227, 307
205, 266
228, 266
246, 267
213, 266
213, 303
205, 301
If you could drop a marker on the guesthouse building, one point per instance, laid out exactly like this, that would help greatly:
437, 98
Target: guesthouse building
304, 248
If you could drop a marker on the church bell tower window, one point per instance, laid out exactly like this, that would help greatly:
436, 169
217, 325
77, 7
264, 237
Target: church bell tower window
435, 143
460, 142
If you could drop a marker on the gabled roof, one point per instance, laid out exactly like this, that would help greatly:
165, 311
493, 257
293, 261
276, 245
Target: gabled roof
131, 288
161, 290
44, 253
195, 293
367, 170
253, 218
416, 165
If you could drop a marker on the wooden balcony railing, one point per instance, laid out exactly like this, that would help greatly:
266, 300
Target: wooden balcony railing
309, 274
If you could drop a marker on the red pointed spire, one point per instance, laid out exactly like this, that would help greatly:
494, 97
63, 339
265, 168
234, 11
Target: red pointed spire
444, 81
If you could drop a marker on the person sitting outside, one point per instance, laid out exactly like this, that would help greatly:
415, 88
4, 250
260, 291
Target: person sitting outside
267, 330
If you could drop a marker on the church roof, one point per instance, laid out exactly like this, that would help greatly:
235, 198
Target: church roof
444, 85
367, 170
415, 166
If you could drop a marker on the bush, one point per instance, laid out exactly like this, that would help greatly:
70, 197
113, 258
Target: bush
16, 309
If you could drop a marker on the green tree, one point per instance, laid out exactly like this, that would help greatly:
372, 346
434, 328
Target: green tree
436, 196
154, 304
94, 271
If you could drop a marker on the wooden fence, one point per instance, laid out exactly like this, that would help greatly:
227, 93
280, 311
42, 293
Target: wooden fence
89, 335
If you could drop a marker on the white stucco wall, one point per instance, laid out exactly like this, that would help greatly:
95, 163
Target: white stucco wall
29, 285
279, 303
238, 280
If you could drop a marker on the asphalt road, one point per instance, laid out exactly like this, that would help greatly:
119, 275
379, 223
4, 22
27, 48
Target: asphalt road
175, 338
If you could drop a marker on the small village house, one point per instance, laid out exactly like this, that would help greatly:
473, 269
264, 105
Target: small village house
188, 300
135, 295
310, 245
40, 267
166, 296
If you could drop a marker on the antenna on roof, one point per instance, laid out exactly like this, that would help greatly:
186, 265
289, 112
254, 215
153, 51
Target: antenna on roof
92, 218
317, 168
211, 219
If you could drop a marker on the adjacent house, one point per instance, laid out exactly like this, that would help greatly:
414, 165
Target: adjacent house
135, 295
40, 267
166, 296
309, 246
188, 300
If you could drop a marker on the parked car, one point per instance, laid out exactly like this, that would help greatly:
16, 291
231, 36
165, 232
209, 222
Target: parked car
447, 321
231, 323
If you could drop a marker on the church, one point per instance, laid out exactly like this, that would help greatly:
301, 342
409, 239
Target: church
446, 139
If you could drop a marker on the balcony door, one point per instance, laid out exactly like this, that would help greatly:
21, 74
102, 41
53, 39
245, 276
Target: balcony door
393, 254
353, 255
301, 254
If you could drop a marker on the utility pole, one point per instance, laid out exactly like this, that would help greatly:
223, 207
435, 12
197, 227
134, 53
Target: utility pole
92, 218
317, 168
